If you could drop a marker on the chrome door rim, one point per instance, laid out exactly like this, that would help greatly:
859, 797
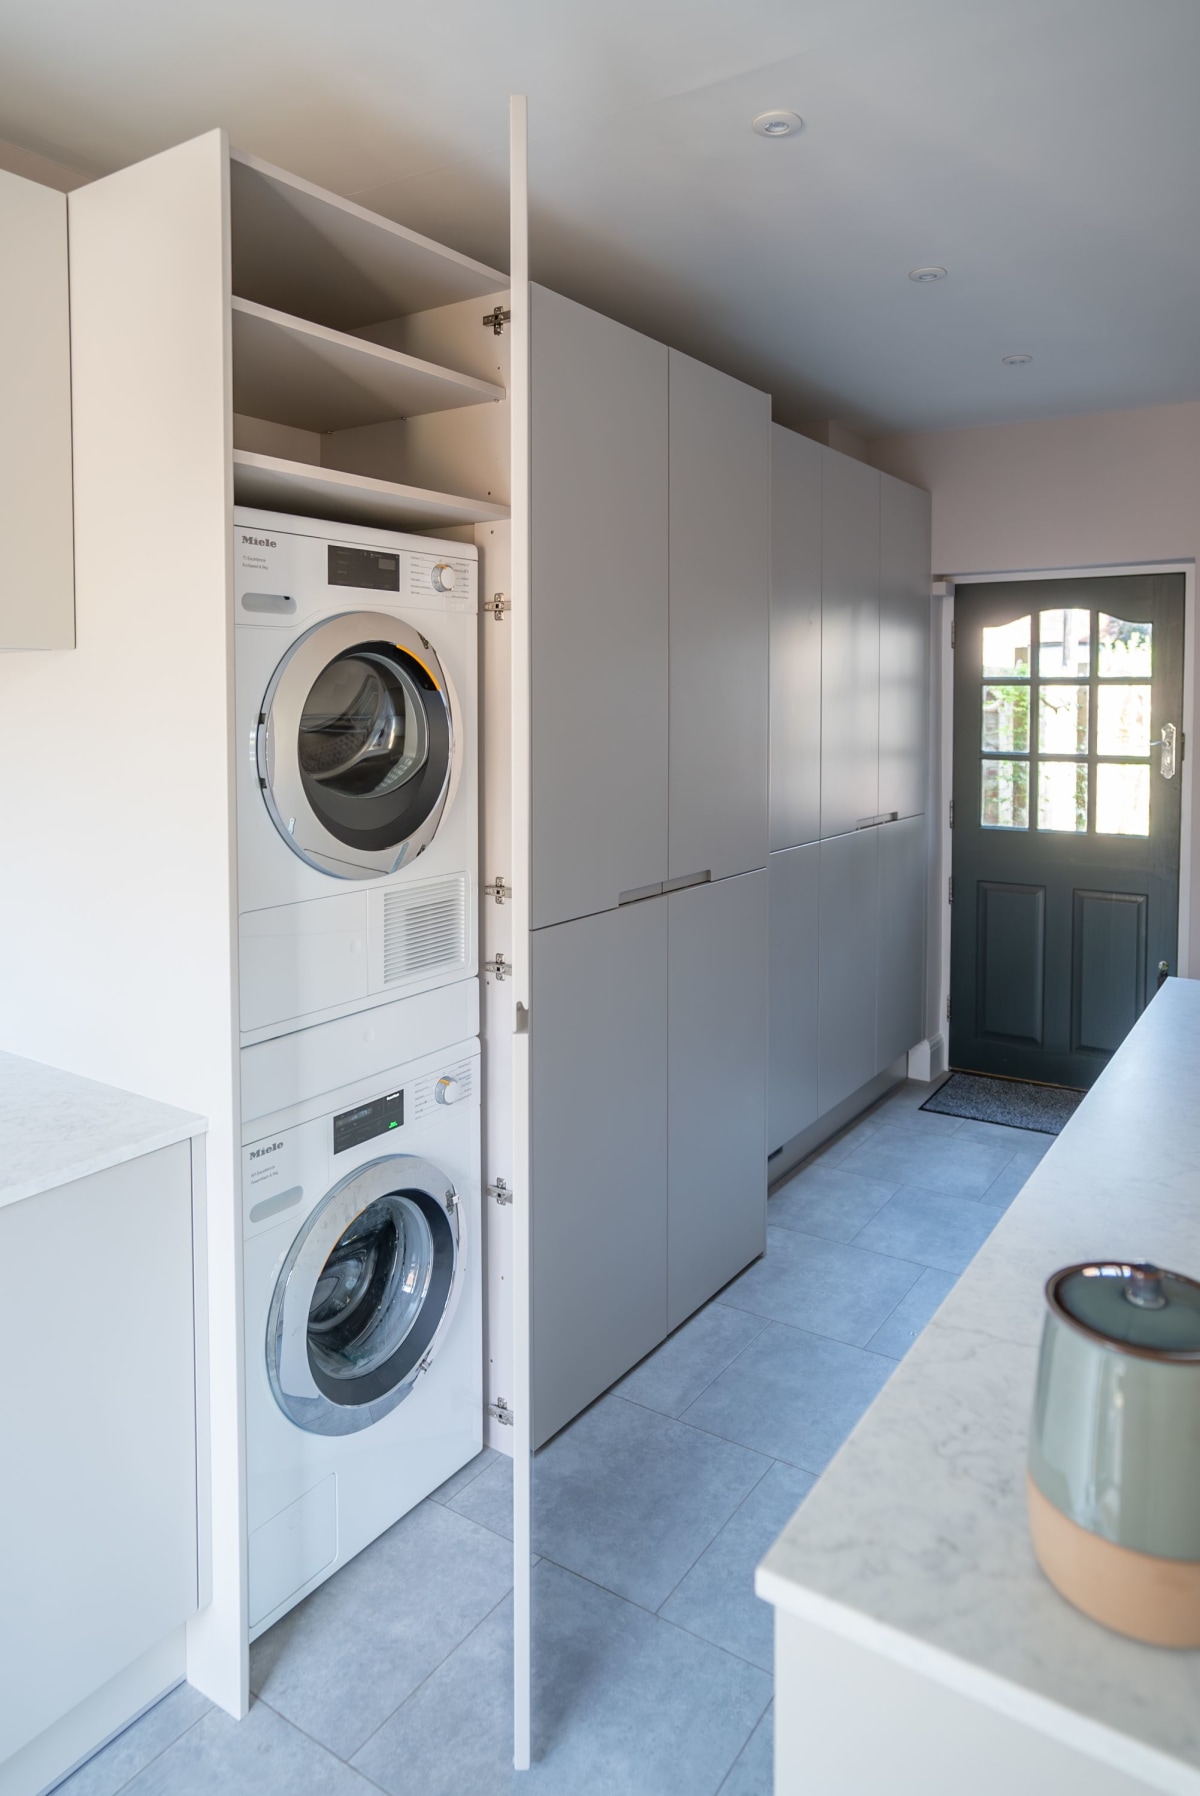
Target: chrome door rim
288, 1367
279, 773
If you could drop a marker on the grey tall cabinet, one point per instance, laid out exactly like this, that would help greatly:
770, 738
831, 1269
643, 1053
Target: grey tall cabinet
649, 841
850, 661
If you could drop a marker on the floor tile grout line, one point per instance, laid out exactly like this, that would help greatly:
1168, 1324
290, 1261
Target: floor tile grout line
814, 1334
724, 1781
150, 1761
433, 1670
322, 1745
771, 1461
764, 1320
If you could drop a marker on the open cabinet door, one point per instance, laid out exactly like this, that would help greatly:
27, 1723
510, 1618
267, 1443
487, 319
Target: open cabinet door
520, 639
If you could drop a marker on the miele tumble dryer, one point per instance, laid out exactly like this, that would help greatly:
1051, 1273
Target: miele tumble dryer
356, 677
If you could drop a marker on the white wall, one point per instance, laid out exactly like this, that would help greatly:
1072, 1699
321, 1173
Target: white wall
1116, 488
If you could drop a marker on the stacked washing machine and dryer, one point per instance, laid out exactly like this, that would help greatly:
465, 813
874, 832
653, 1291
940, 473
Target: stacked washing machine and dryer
357, 807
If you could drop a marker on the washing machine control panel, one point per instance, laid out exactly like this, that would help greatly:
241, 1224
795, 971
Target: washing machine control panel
452, 1085
442, 577
365, 1121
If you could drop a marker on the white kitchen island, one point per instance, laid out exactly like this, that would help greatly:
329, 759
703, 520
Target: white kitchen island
918, 1647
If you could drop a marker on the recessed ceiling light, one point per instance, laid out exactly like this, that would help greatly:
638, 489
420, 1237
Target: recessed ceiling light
1016, 361
778, 124
932, 273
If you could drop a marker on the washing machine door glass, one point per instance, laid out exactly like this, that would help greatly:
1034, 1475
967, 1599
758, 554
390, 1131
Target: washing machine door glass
365, 1296
355, 746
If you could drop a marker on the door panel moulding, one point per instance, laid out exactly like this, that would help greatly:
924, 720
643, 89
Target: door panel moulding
943, 589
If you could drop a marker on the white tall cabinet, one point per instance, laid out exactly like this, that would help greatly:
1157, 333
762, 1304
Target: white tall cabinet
649, 621
850, 636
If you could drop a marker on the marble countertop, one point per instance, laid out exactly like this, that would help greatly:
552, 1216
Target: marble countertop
55, 1127
915, 1543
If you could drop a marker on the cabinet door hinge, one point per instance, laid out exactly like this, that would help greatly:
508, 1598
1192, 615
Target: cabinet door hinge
950, 890
498, 889
500, 1412
496, 321
947, 1007
500, 969
501, 1191
952, 813
951, 632
497, 605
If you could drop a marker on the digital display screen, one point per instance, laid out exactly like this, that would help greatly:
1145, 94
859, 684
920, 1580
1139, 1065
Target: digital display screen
367, 1121
363, 567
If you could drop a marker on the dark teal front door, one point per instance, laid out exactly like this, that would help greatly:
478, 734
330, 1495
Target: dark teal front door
1068, 749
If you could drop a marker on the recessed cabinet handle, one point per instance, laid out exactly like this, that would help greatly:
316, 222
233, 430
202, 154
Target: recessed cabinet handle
688, 879
635, 894
880, 817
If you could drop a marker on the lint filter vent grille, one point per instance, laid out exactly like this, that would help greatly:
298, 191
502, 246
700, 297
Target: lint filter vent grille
424, 929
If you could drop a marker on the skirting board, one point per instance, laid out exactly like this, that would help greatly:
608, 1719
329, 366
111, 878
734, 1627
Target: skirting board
927, 1061
45, 1760
802, 1146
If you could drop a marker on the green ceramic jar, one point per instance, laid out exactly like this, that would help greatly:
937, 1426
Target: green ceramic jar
1115, 1442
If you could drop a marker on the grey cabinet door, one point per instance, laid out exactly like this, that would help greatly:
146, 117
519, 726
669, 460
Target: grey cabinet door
795, 639
717, 1045
903, 901
720, 598
795, 878
598, 1101
599, 610
849, 923
904, 644
849, 643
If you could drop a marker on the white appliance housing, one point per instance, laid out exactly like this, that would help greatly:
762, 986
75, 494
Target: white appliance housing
349, 1290
355, 886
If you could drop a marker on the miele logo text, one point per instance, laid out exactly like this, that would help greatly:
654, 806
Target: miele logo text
261, 542
272, 1147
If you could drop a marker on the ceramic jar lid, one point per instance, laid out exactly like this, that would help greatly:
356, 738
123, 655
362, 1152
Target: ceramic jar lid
1138, 1309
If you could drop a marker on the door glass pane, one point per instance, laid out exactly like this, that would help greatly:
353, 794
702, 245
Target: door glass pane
1122, 800
1126, 649
1006, 649
1004, 795
1006, 719
1123, 721
1062, 795
1063, 720
1064, 644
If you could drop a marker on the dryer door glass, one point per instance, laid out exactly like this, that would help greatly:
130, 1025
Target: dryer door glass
374, 746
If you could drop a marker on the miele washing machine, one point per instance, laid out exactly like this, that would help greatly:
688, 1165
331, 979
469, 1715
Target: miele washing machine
357, 780
363, 1314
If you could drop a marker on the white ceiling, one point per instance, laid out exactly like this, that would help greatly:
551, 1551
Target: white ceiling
1045, 151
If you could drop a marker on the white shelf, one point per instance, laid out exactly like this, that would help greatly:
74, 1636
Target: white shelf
293, 372
299, 248
315, 492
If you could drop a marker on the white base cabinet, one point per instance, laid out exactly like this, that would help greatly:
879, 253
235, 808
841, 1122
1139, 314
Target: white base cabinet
598, 1101
716, 1087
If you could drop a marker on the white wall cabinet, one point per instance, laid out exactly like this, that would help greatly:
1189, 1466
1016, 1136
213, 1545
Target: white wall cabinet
716, 1087
598, 1092
599, 610
796, 467
793, 934
905, 554
720, 611
37, 592
849, 643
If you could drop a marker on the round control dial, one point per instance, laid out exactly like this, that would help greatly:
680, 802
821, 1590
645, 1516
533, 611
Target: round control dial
447, 1090
442, 577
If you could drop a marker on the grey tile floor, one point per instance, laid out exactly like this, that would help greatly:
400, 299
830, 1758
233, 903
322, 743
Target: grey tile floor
653, 1655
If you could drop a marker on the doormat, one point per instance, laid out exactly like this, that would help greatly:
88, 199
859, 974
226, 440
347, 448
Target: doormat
1014, 1102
